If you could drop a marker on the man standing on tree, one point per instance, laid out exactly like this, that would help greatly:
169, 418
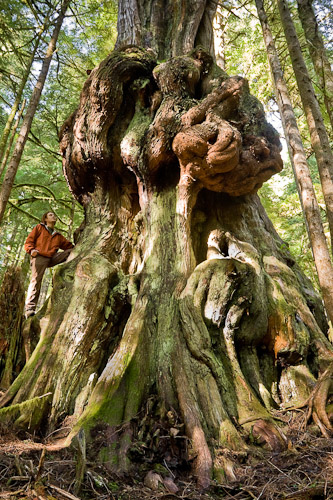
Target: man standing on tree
43, 244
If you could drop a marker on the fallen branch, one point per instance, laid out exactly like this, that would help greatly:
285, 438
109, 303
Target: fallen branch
63, 492
7, 494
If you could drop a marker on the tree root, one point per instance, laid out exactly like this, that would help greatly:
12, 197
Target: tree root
22, 414
265, 432
317, 402
203, 460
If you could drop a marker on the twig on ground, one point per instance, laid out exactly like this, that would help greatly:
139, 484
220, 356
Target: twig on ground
40, 465
281, 471
6, 494
63, 492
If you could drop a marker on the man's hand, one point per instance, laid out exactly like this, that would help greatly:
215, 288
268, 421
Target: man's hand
34, 252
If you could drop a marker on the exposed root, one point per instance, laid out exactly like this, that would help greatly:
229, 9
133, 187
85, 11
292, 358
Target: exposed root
114, 371
317, 402
203, 462
321, 426
265, 432
320, 401
23, 413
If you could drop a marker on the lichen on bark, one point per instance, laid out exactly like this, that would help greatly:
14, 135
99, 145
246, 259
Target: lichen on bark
179, 289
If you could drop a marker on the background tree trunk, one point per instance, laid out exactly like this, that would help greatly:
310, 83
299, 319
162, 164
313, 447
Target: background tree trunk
318, 134
219, 27
27, 121
8, 126
11, 139
318, 53
180, 305
12, 357
301, 170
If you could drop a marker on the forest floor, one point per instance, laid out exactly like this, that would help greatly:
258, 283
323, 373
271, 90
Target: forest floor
304, 471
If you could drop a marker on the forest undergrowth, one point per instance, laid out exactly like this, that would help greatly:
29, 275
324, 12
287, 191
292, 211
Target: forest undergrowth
37, 470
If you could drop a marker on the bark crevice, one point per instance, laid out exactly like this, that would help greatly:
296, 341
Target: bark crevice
178, 275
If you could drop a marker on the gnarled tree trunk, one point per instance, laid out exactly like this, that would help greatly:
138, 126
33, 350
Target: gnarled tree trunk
179, 297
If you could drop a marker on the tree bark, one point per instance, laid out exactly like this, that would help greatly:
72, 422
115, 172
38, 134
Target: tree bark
10, 119
219, 28
318, 53
318, 134
307, 194
26, 125
170, 28
11, 139
12, 357
180, 305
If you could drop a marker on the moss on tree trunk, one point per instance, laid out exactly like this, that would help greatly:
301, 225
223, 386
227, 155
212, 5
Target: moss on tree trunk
179, 296
12, 345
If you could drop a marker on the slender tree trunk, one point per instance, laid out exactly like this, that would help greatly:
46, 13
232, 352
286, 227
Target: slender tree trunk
318, 53
219, 42
11, 139
18, 253
318, 134
10, 119
26, 125
9, 248
301, 169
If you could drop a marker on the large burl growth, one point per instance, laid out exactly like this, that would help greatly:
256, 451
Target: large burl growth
181, 320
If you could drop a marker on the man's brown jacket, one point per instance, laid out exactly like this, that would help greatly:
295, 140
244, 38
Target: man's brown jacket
45, 243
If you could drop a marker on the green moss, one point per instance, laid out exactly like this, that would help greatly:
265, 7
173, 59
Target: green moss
276, 301
27, 414
140, 83
229, 436
219, 475
113, 486
110, 411
30, 368
116, 407
109, 455
160, 469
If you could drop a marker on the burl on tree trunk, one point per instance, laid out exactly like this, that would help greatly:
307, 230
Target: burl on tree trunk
181, 312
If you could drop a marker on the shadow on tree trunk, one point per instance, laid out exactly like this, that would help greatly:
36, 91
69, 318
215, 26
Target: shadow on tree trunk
179, 291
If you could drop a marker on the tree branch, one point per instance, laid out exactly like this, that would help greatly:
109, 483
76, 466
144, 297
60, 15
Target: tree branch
37, 141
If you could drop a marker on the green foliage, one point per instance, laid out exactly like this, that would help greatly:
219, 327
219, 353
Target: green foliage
87, 36
324, 14
281, 201
244, 50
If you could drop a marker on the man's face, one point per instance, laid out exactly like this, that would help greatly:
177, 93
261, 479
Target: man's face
50, 218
